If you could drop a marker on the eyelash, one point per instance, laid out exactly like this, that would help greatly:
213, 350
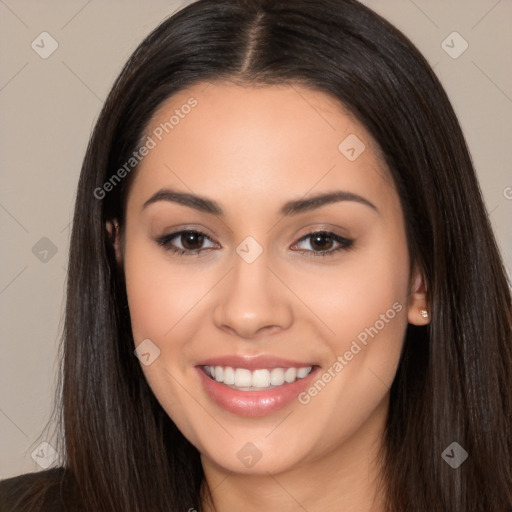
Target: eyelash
345, 243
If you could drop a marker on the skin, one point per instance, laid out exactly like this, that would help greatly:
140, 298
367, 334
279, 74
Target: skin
251, 150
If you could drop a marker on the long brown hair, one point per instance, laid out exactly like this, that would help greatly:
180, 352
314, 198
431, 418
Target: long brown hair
454, 381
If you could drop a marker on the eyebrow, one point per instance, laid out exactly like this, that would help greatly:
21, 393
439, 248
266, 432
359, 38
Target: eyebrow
293, 207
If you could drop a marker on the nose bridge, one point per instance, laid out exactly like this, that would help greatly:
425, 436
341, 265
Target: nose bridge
251, 264
254, 298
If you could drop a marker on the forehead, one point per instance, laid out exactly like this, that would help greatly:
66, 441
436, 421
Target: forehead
258, 143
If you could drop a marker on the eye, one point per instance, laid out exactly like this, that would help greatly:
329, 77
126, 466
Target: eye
322, 242
190, 242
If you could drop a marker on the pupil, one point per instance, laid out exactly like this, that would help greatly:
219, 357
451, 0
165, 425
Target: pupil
193, 239
316, 239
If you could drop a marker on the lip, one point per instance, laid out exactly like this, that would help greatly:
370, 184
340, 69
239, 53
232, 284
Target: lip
254, 403
254, 362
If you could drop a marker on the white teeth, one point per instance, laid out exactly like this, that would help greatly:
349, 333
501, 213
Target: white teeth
290, 374
229, 375
302, 372
242, 378
248, 380
260, 379
277, 376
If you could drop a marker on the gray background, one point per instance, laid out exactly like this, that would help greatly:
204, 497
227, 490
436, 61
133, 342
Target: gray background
48, 108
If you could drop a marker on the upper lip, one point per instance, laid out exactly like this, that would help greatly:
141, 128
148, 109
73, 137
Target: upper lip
254, 362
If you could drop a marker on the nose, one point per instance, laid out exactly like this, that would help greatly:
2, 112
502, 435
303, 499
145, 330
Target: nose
253, 301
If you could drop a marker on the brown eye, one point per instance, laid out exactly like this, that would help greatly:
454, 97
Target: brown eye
321, 243
191, 242
191, 239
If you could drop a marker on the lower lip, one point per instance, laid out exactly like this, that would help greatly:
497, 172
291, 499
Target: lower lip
254, 403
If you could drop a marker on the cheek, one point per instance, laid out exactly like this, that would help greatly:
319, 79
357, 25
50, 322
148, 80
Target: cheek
352, 294
376, 314
366, 306
158, 296
161, 304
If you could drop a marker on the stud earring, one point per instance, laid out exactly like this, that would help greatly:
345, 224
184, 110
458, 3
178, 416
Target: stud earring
424, 313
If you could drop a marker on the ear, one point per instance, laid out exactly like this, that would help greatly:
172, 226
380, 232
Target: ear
418, 298
115, 238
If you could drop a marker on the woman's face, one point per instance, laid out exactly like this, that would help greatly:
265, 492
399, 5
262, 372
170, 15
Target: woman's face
265, 293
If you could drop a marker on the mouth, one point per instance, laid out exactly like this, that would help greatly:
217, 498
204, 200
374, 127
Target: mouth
255, 392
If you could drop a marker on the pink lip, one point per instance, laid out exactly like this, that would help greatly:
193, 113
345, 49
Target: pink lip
254, 403
254, 362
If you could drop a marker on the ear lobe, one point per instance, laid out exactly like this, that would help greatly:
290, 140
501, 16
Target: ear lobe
115, 238
418, 313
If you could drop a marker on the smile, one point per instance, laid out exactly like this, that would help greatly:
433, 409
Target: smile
247, 380
255, 392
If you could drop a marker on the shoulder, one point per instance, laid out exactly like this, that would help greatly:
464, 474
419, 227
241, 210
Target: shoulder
43, 491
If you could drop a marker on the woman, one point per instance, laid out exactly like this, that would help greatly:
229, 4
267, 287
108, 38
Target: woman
284, 291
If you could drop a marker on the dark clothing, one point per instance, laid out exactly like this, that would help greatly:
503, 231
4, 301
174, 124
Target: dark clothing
43, 491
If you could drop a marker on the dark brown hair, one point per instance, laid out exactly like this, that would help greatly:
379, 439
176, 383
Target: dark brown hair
454, 380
